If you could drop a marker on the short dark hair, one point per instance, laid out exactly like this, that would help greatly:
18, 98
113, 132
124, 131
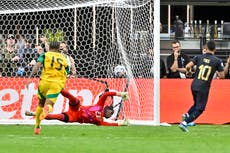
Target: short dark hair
211, 45
108, 108
54, 45
175, 41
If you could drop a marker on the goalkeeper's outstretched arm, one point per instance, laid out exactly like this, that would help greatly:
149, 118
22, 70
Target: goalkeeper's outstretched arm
124, 122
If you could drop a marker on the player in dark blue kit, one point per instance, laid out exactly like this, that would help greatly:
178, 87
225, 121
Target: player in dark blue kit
207, 65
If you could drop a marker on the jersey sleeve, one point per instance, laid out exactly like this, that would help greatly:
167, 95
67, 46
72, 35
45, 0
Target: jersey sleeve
220, 67
103, 97
41, 58
195, 59
67, 69
104, 123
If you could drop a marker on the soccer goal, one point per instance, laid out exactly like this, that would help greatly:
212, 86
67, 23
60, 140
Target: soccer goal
109, 41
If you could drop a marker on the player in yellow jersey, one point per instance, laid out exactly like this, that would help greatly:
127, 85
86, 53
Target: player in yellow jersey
52, 81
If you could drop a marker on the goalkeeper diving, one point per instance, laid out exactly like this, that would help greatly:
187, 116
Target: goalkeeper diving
93, 114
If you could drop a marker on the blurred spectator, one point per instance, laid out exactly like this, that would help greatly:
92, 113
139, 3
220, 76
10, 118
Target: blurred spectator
177, 61
39, 50
149, 65
71, 62
161, 27
20, 41
8, 62
120, 71
179, 28
44, 43
25, 55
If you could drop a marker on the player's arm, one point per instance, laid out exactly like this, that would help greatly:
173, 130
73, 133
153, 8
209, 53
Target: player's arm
221, 75
227, 65
174, 66
103, 97
104, 123
188, 68
221, 70
73, 67
124, 122
35, 69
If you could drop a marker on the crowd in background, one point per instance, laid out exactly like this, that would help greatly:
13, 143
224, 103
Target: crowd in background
18, 55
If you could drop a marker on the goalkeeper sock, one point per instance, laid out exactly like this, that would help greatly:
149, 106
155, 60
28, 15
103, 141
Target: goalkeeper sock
39, 110
60, 117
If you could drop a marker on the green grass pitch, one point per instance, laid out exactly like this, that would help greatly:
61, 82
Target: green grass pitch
130, 139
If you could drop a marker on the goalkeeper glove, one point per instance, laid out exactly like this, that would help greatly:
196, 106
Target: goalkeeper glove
124, 95
124, 122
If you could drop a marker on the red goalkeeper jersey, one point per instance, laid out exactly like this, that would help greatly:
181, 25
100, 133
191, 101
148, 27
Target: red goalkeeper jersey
87, 114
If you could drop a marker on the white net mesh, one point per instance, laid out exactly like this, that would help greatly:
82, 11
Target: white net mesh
99, 35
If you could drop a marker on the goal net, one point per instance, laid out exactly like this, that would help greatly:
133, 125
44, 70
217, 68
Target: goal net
109, 41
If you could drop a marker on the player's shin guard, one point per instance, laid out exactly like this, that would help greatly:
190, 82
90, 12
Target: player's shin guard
47, 109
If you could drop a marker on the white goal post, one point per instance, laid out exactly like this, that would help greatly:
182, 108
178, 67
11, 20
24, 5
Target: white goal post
100, 35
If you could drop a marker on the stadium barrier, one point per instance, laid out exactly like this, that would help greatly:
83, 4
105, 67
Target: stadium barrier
175, 99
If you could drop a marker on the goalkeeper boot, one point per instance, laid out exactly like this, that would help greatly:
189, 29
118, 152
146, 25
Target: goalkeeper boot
124, 95
37, 130
28, 113
183, 126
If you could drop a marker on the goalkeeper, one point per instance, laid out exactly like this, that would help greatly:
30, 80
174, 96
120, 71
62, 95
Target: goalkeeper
93, 114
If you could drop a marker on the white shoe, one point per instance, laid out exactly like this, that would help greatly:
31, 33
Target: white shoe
183, 127
28, 113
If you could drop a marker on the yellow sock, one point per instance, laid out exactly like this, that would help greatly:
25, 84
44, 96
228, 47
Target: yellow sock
39, 110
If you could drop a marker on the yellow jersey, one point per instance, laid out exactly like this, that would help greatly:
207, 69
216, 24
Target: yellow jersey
55, 67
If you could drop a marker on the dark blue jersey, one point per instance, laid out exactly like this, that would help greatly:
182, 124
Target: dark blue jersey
206, 66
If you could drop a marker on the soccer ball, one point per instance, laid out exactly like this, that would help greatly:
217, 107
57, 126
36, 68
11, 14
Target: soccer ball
120, 71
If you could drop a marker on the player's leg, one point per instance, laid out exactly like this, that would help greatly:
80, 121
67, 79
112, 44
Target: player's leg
183, 125
72, 114
200, 104
200, 101
39, 109
47, 108
60, 117
38, 112
191, 109
52, 93
73, 101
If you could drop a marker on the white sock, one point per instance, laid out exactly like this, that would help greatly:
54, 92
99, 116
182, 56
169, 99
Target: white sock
185, 123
